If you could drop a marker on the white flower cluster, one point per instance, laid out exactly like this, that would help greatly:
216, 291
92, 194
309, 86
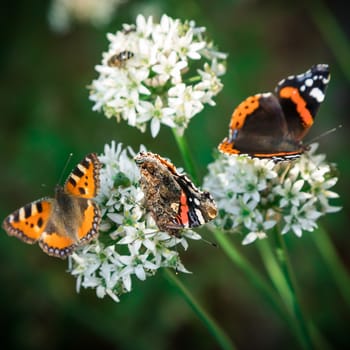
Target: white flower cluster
157, 73
98, 12
254, 195
129, 242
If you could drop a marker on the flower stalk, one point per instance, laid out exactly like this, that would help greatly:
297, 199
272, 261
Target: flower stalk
286, 268
284, 310
185, 153
274, 270
221, 337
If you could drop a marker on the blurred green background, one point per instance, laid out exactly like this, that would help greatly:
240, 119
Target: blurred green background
46, 115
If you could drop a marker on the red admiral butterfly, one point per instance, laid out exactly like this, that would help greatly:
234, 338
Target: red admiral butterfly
266, 126
172, 199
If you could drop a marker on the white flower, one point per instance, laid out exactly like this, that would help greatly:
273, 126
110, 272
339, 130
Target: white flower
169, 67
186, 102
321, 190
253, 195
129, 244
300, 219
168, 75
290, 192
98, 12
210, 84
252, 237
186, 46
157, 114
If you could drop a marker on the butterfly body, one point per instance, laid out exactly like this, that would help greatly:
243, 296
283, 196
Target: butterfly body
68, 220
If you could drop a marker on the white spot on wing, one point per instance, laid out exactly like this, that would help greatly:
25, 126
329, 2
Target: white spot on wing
309, 82
81, 168
317, 94
75, 177
197, 202
34, 210
21, 214
200, 216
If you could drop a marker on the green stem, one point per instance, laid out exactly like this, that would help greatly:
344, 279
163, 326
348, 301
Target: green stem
214, 329
263, 287
275, 272
336, 268
332, 33
186, 156
278, 279
223, 340
283, 259
247, 268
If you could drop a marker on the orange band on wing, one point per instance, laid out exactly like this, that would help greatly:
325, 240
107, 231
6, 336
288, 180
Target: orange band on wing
56, 241
293, 94
183, 215
245, 108
228, 147
277, 154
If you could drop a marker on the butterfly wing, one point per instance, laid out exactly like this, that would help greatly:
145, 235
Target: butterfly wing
195, 207
71, 219
29, 222
55, 244
300, 97
84, 179
258, 128
173, 200
89, 226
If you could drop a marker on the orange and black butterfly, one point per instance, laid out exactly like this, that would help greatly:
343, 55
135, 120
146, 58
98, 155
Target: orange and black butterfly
68, 220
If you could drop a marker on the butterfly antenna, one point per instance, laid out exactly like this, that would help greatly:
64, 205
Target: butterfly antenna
325, 133
213, 244
65, 167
